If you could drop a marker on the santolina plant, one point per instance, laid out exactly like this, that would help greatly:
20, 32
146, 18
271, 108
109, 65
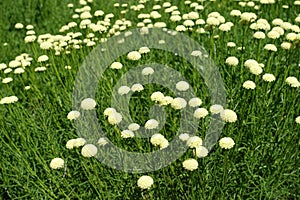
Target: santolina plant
150, 102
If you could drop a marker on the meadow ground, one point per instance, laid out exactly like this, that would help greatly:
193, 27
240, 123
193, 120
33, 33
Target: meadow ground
255, 48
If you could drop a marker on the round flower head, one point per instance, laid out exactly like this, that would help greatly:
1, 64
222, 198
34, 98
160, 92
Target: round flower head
232, 61
269, 77
43, 58
27, 87
123, 90
201, 152
78, 142
8, 100
297, 120
164, 144
109, 111
224, 27
89, 150
292, 81
40, 69
88, 104
256, 70
70, 144
127, 134
166, 101
193, 15
200, 113
14, 63
157, 96
194, 142
212, 21
200, 22
216, 108
286, 45
228, 116
178, 103
248, 17
134, 127
273, 35
74, 114
196, 53
151, 124
19, 70
175, 18
249, 85
270, 47
115, 118
190, 164
182, 86
251, 63
19, 26
226, 143
157, 139
143, 50
3, 66
7, 80
145, 182
6, 71
147, 71
259, 35
116, 65
194, 102
231, 44
235, 13
29, 38
102, 141
184, 136
57, 163
291, 36
137, 87
134, 55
